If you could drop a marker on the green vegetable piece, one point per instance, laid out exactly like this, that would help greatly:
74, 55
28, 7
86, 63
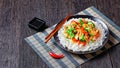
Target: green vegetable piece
87, 29
71, 28
81, 38
70, 32
80, 21
75, 31
91, 23
92, 41
72, 35
90, 35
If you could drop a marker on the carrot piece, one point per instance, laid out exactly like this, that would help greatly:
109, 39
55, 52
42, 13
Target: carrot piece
97, 35
83, 20
86, 33
79, 42
74, 40
83, 43
82, 29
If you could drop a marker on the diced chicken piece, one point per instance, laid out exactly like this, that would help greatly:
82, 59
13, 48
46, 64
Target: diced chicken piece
77, 36
84, 25
66, 34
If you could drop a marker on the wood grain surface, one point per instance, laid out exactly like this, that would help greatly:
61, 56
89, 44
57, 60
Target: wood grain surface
14, 18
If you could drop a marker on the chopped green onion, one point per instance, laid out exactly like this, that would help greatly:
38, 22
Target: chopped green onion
80, 21
81, 38
87, 29
91, 23
72, 35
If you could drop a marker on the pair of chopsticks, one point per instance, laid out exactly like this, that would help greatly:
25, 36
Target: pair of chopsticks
58, 26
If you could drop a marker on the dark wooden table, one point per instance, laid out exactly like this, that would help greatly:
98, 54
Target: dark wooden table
14, 18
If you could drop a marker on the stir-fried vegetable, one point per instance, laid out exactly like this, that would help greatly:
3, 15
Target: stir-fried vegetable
81, 38
91, 23
81, 31
87, 29
70, 32
81, 22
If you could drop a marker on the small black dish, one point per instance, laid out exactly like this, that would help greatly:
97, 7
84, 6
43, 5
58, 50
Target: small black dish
97, 20
37, 24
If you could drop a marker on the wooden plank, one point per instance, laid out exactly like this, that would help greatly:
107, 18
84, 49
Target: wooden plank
9, 42
28, 10
115, 56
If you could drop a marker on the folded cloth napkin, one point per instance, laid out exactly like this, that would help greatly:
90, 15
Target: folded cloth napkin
36, 41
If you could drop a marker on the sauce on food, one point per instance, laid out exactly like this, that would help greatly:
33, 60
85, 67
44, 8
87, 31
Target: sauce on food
81, 31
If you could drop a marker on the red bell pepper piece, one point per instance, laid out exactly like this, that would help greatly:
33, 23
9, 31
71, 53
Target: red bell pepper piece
56, 56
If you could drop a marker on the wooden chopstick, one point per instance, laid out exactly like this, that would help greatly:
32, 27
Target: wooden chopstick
53, 30
49, 36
